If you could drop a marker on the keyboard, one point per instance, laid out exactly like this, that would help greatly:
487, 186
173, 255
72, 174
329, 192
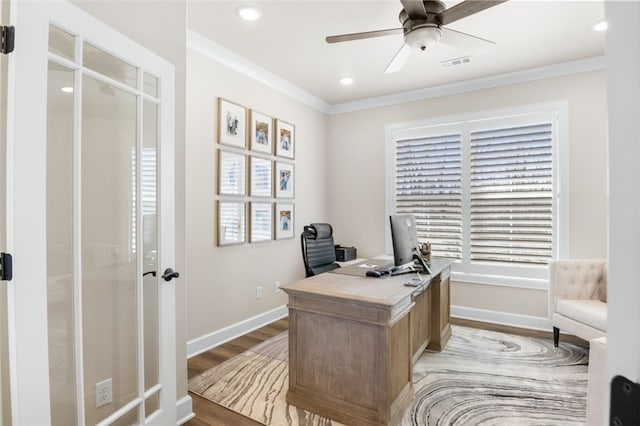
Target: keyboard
386, 269
391, 269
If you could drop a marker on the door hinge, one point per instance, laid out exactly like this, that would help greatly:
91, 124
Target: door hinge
625, 402
7, 39
6, 267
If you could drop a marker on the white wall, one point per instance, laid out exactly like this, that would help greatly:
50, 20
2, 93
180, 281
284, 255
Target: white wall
357, 169
623, 84
222, 281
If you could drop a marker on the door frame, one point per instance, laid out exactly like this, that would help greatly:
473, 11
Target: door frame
26, 202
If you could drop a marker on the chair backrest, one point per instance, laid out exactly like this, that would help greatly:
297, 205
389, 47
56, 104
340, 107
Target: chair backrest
318, 250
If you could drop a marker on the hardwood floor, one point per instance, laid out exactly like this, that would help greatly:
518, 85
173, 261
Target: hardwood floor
210, 413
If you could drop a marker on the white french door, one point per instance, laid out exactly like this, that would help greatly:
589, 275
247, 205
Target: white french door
89, 178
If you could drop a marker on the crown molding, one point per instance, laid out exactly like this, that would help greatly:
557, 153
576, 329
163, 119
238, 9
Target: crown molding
533, 74
203, 45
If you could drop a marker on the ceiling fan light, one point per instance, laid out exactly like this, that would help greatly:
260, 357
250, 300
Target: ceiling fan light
423, 38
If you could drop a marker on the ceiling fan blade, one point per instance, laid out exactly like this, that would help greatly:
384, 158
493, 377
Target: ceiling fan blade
464, 41
414, 8
466, 8
361, 36
399, 59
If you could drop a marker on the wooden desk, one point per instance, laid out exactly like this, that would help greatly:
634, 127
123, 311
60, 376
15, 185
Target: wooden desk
353, 341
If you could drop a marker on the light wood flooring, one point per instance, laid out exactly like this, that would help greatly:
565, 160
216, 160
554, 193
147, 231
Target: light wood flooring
212, 414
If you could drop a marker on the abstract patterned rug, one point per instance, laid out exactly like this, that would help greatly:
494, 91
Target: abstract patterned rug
480, 378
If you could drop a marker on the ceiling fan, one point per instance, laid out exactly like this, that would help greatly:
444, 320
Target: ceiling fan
423, 26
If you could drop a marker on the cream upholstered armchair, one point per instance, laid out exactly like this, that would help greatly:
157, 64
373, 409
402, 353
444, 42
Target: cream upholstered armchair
578, 298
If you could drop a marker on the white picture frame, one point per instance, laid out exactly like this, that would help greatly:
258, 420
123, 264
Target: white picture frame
232, 123
284, 221
284, 180
285, 139
261, 132
261, 223
261, 177
231, 226
232, 173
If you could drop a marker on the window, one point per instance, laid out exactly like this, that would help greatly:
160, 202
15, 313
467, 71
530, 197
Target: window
484, 191
428, 185
511, 194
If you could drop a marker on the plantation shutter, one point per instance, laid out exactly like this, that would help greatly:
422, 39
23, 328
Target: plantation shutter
148, 193
511, 190
148, 180
428, 185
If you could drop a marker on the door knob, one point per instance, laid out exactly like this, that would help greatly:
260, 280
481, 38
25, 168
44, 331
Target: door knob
170, 274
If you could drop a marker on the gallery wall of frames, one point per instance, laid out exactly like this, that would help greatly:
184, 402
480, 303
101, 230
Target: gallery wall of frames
256, 175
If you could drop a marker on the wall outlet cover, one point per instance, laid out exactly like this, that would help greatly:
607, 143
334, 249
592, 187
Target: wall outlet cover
104, 393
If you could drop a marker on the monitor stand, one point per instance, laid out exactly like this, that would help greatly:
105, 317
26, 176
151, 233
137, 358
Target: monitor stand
422, 263
407, 269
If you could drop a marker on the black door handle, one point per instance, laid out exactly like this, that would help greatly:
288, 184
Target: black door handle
170, 274
152, 273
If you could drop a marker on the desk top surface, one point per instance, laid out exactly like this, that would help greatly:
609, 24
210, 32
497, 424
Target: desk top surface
387, 291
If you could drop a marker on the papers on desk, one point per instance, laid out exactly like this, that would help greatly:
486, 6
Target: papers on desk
367, 265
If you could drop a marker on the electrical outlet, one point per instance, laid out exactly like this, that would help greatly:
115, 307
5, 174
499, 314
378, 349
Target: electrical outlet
259, 292
278, 289
104, 394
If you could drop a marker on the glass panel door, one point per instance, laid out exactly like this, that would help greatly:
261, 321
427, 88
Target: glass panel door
108, 248
60, 264
103, 341
5, 401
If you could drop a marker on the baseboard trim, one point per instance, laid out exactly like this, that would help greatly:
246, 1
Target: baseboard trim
184, 410
501, 318
218, 337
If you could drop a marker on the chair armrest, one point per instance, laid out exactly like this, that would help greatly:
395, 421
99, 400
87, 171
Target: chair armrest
575, 279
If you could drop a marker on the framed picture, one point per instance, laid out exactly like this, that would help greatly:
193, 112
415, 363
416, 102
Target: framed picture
231, 222
284, 180
232, 123
231, 173
261, 177
261, 132
284, 221
285, 139
261, 225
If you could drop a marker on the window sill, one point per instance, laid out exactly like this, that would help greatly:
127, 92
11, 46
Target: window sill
500, 280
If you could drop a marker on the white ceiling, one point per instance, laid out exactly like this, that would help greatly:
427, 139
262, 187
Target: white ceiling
288, 40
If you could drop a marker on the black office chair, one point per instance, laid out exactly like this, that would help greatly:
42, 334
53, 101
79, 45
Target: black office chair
318, 250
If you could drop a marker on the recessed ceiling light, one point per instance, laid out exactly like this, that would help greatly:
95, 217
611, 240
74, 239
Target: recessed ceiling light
248, 13
67, 89
346, 81
601, 26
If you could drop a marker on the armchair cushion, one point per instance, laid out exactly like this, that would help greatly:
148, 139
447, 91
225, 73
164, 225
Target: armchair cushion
603, 287
589, 312
576, 288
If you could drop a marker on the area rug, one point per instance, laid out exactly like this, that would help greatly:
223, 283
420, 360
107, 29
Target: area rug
480, 378
255, 384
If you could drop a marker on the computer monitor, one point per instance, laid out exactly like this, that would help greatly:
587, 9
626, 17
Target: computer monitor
405, 242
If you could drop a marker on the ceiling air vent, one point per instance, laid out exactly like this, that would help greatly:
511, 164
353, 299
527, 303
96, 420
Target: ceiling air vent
456, 61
